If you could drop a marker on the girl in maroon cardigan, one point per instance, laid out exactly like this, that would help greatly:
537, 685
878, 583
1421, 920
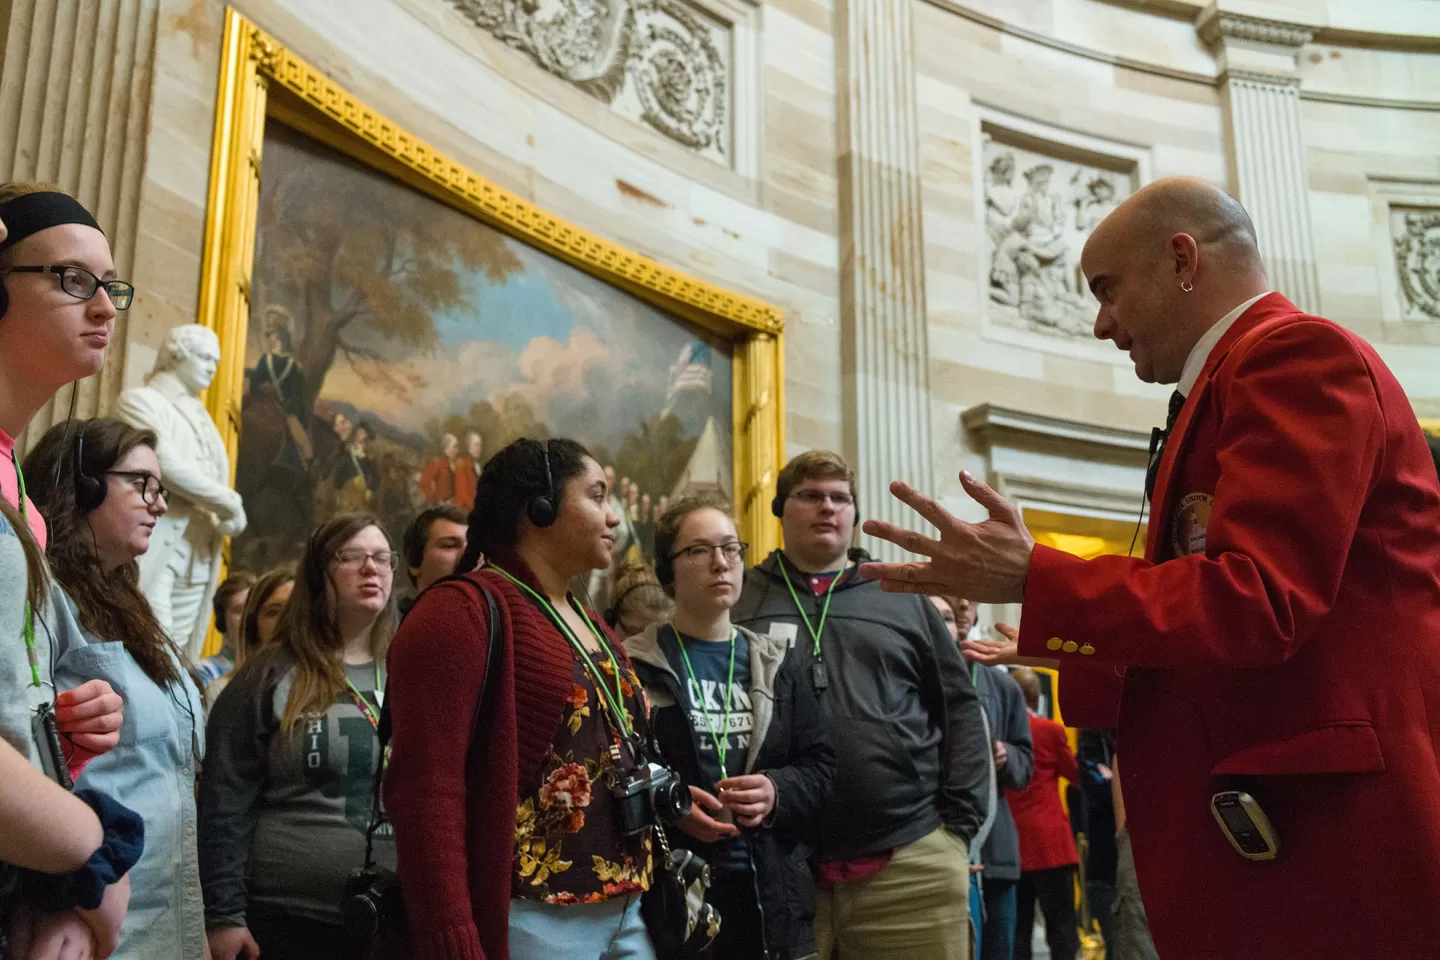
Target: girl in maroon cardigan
522, 856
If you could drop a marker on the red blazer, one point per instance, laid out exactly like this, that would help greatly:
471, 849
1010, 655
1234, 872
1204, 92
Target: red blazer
1282, 635
466, 480
437, 481
1045, 837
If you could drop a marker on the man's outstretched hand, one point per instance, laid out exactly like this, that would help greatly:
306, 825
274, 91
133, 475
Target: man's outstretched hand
986, 562
1002, 653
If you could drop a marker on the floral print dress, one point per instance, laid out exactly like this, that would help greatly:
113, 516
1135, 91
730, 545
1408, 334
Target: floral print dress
568, 844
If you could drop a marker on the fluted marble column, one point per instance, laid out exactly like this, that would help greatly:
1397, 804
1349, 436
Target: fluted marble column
886, 390
74, 110
1267, 164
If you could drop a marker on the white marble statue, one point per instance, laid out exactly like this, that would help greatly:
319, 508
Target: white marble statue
180, 571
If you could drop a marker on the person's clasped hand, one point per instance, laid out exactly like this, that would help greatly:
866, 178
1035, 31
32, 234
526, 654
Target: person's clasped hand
750, 797
987, 562
700, 824
89, 718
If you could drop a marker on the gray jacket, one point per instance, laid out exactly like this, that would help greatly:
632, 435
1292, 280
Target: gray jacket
905, 722
1005, 706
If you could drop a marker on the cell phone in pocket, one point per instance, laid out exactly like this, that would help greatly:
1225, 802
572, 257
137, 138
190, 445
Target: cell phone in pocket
1245, 825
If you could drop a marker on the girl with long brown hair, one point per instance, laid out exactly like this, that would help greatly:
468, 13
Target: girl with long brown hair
286, 796
101, 504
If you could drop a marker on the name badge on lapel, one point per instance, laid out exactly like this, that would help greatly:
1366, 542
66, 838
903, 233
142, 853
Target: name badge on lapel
1192, 520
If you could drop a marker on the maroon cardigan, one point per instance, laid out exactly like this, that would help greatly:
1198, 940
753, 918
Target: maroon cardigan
455, 840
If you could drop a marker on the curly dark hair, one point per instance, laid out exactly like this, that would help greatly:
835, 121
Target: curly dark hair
111, 605
511, 478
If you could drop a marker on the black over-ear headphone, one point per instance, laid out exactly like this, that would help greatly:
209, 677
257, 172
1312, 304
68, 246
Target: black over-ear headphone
89, 490
664, 570
542, 510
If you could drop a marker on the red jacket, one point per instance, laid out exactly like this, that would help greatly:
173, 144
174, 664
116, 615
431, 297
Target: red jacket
437, 480
455, 840
1282, 635
466, 480
1045, 837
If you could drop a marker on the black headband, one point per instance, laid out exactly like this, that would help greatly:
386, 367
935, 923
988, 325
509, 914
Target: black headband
27, 215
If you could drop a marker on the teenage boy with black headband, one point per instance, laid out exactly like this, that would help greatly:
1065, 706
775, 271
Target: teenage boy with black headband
913, 761
58, 299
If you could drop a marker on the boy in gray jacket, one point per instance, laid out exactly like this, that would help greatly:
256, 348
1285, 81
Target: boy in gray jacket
913, 761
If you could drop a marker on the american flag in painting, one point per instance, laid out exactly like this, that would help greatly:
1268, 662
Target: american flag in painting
690, 372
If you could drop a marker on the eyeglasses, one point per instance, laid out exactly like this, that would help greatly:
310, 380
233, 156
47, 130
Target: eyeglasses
146, 484
700, 553
815, 498
355, 559
82, 284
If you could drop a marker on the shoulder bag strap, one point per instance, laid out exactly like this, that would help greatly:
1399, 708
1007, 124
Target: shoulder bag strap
472, 751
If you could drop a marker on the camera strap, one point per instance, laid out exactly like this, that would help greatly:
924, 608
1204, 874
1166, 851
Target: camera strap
383, 727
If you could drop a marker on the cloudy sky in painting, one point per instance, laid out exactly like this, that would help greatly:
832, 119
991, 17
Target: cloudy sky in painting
591, 360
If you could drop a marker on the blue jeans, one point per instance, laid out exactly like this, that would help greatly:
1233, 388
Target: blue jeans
998, 942
612, 930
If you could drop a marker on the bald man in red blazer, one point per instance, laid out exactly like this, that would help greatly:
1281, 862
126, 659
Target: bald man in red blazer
1281, 634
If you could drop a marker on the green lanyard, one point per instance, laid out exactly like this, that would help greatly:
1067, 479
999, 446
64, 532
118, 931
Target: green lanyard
815, 631
722, 742
29, 613
615, 700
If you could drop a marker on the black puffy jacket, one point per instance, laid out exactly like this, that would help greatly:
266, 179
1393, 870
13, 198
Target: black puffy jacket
790, 744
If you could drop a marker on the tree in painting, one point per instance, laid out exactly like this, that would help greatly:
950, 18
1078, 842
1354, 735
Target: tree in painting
395, 344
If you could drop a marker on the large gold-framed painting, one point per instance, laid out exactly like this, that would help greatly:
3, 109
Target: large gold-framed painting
389, 319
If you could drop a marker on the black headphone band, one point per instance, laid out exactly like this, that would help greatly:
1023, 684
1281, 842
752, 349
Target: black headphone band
549, 477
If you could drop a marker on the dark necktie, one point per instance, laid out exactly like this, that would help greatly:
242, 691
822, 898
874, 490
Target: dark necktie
1158, 439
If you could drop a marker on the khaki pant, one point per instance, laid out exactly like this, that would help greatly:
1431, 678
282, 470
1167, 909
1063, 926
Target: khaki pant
916, 908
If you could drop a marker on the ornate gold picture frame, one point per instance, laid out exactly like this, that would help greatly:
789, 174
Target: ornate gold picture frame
261, 79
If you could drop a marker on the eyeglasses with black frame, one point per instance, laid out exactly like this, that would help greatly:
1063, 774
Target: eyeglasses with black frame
82, 284
146, 484
815, 498
699, 554
355, 558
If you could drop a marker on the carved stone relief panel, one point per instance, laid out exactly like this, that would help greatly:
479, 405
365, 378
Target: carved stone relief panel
1042, 200
1415, 232
664, 63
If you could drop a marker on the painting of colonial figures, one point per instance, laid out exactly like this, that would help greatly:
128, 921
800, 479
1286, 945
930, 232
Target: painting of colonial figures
395, 343
1039, 210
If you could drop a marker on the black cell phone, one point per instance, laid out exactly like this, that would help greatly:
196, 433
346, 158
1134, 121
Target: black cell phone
1245, 825
52, 754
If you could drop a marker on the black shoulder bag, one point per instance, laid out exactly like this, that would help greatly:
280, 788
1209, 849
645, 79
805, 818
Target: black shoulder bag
373, 908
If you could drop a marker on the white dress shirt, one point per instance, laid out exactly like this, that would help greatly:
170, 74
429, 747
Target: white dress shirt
1201, 351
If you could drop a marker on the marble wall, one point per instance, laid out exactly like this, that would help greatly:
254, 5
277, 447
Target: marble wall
909, 180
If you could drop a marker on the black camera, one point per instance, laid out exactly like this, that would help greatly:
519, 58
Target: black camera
650, 795
372, 907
